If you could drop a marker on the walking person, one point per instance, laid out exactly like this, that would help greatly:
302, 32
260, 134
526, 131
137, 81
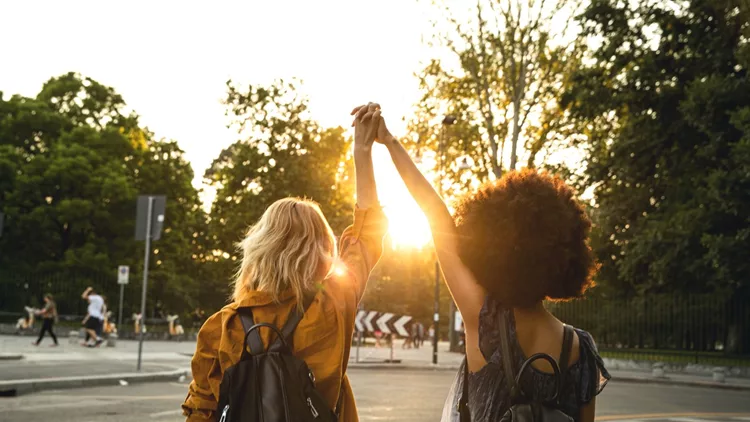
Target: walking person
514, 243
420, 335
94, 320
49, 317
292, 270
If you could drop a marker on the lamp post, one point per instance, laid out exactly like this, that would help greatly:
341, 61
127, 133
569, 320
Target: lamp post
447, 120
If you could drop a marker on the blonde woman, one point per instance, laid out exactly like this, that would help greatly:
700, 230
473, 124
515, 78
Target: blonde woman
287, 261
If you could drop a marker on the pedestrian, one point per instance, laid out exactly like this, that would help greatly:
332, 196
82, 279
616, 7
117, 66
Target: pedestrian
290, 270
420, 334
409, 339
49, 317
378, 337
431, 333
94, 320
517, 241
175, 328
26, 322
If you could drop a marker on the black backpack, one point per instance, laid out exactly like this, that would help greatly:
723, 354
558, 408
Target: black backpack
270, 385
523, 408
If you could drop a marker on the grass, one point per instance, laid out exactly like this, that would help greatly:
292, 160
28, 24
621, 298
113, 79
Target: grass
678, 356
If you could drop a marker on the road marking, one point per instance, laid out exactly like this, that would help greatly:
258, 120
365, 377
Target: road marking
79, 401
672, 416
166, 413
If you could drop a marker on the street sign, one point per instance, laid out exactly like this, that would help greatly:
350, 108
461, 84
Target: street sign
157, 216
358, 325
387, 323
123, 274
383, 322
368, 321
400, 326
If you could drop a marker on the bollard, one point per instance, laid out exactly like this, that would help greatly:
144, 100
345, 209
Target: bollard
112, 340
657, 370
720, 375
73, 337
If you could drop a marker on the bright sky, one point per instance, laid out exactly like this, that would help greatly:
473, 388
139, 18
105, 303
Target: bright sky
170, 61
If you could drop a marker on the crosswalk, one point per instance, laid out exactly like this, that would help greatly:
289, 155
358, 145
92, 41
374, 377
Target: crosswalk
706, 417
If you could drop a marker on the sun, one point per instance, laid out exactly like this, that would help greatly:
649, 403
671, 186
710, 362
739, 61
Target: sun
408, 226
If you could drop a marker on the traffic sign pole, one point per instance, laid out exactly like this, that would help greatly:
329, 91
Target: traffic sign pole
119, 313
123, 274
146, 256
359, 333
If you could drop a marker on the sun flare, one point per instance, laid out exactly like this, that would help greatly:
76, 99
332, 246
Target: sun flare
407, 224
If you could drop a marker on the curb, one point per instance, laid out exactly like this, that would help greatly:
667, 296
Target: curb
10, 356
668, 381
18, 387
615, 377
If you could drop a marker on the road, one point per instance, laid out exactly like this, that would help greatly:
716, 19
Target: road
397, 395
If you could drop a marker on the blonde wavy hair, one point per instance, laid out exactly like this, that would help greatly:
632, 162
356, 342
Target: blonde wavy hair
290, 247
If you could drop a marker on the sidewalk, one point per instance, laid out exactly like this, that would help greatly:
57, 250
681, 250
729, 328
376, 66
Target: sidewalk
72, 360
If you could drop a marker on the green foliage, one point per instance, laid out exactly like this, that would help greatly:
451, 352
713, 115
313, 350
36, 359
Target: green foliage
665, 107
281, 152
72, 163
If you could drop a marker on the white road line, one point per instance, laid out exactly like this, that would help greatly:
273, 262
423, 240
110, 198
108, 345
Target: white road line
689, 420
166, 413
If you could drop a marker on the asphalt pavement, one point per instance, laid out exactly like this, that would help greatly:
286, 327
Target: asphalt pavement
382, 395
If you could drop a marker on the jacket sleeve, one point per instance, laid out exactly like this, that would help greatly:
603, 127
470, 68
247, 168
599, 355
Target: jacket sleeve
203, 395
361, 246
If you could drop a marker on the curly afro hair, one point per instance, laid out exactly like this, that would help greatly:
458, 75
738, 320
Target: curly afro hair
525, 238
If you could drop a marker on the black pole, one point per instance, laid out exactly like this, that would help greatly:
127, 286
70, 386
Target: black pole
436, 316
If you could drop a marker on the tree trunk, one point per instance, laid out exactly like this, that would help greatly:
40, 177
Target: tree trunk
520, 87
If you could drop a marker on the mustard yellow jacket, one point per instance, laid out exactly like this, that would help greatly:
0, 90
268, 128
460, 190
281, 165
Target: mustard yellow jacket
322, 339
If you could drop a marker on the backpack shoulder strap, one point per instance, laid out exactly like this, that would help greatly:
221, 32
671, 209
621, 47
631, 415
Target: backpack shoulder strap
253, 340
510, 373
565, 357
291, 324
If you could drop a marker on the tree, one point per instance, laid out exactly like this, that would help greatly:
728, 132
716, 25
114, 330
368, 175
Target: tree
72, 162
281, 153
665, 107
507, 67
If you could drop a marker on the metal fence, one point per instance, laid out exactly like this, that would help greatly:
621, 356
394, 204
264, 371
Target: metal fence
17, 291
711, 329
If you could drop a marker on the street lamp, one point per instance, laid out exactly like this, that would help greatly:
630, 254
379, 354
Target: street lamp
447, 120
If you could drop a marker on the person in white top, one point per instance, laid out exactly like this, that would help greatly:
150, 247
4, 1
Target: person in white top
95, 318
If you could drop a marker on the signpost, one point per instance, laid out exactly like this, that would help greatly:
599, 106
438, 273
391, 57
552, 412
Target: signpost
123, 277
149, 220
385, 322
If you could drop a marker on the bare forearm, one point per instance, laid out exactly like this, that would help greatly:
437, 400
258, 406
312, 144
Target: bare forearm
367, 194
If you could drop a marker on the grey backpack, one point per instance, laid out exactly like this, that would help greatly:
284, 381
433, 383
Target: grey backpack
523, 407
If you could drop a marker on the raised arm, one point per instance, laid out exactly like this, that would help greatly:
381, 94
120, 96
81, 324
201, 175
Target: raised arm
468, 295
361, 244
364, 136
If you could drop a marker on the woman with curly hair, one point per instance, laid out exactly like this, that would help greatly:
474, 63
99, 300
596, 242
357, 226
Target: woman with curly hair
514, 243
